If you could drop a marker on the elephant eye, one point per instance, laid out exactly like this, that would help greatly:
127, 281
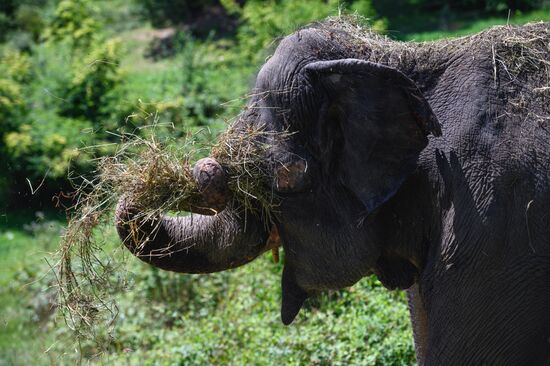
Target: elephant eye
292, 177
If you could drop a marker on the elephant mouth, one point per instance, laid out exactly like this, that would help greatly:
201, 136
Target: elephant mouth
233, 194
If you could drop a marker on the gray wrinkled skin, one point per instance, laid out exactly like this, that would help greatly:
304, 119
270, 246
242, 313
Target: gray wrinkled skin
422, 168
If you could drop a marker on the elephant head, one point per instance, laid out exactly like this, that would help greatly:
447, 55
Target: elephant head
358, 129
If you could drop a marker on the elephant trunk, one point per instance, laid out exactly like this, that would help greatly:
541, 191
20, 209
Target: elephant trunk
210, 241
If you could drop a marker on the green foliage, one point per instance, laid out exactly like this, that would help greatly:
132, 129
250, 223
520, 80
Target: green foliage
29, 19
14, 72
73, 89
48, 145
229, 318
469, 26
169, 12
92, 91
11, 103
486, 5
208, 318
50, 97
27, 295
265, 21
22, 21
7, 10
73, 22
188, 91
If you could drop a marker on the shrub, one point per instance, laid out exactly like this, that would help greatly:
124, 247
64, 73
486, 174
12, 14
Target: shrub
162, 13
15, 65
92, 91
232, 318
11, 104
47, 144
29, 19
14, 72
47, 101
264, 21
73, 22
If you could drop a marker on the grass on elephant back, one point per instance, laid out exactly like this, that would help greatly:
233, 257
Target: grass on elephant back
158, 179
520, 57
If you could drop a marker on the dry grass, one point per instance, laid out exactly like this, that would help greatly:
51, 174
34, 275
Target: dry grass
520, 49
250, 176
158, 179
141, 168
519, 56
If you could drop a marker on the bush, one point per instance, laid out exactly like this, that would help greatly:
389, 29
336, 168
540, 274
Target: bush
7, 10
15, 71
232, 318
29, 19
11, 104
47, 145
15, 65
74, 22
189, 94
92, 91
69, 102
163, 13
67, 85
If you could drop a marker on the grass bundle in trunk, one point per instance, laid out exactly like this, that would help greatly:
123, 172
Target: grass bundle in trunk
157, 179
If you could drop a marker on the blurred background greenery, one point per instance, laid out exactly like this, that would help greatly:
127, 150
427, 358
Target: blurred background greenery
74, 74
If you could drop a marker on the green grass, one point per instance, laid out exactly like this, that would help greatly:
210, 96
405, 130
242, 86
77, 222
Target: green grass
463, 27
229, 318
26, 242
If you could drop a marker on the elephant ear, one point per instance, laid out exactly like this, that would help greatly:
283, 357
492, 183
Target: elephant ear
383, 120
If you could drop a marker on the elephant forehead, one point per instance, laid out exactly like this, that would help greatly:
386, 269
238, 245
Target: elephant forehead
291, 55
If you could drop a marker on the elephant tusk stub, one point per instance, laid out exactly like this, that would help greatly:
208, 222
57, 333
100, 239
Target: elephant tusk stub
275, 254
274, 243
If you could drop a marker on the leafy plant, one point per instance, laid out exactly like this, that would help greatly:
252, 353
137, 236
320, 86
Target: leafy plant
265, 21
73, 22
169, 12
92, 90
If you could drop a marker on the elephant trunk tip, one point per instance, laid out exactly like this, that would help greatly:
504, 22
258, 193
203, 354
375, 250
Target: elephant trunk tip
211, 180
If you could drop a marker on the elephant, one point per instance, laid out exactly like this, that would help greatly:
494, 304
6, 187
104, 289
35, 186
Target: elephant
425, 164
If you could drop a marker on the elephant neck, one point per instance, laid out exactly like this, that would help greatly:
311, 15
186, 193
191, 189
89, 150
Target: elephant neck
402, 230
